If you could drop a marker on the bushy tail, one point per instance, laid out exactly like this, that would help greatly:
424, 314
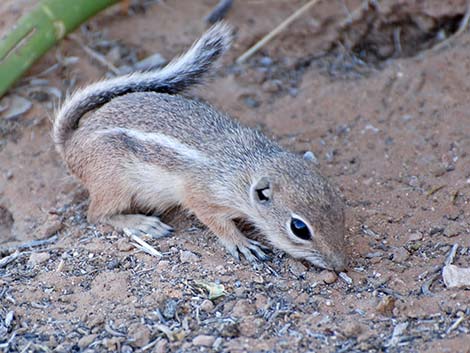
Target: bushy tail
179, 74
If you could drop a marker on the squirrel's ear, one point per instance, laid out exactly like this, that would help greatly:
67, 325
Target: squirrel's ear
261, 191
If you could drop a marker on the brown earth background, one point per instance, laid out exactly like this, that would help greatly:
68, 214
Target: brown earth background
379, 99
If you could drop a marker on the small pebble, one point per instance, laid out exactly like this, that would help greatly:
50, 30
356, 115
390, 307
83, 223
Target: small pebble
272, 86
328, 276
415, 236
9, 318
126, 349
352, 329
52, 226
266, 61
452, 230
239, 291
436, 230
250, 102
204, 340
296, 267
243, 308
139, 335
188, 256
124, 245
207, 306
37, 258
293, 92
455, 276
85, 341
162, 265
261, 301
371, 255
386, 306
413, 181
161, 346
258, 279
113, 343
310, 156
251, 326
169, 308
400, 254
113, 264
439, 171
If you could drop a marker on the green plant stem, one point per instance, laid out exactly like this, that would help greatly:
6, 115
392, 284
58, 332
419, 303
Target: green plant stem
37, 31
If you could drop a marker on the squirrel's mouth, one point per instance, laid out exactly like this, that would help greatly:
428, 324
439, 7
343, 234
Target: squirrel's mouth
318, 261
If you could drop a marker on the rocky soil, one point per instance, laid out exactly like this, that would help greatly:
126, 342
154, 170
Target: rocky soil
380, 95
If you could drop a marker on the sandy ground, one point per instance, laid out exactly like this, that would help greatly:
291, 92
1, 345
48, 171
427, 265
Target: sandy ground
380, 102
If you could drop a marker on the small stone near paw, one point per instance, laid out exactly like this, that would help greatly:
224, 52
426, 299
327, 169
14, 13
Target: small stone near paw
124, 245
188, 256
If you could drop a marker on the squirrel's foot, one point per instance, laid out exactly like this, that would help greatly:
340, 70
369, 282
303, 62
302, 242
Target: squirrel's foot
250, 249
139, 225
229, 235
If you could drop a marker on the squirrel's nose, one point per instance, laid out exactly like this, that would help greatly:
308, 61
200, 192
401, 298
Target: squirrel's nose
339, 263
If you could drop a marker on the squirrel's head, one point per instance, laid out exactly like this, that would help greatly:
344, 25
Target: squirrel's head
300, 211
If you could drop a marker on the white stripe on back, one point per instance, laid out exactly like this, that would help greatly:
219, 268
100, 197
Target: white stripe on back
160, 139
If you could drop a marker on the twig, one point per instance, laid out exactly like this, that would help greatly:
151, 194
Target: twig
462, 27
219, 11
450, 257
345, 278
150, 345
95, 55
276, 31
456, 323
30, 244
112, 331
435, 189
434, 275
166, 330
9, 259
7, 343
142, 245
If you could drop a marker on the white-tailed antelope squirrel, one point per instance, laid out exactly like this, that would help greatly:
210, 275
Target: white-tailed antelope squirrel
145, 149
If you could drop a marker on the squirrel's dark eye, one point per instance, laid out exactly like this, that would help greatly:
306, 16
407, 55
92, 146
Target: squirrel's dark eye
300, 229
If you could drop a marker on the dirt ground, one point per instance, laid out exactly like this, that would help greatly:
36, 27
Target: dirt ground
375, 93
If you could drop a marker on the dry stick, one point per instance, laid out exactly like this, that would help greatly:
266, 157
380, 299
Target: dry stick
275, 31
450, 257
95, 55
8, 259
30, 244
219, 11
142, 245
456, 323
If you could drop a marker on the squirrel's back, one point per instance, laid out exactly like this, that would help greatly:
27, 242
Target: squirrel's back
193, 123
